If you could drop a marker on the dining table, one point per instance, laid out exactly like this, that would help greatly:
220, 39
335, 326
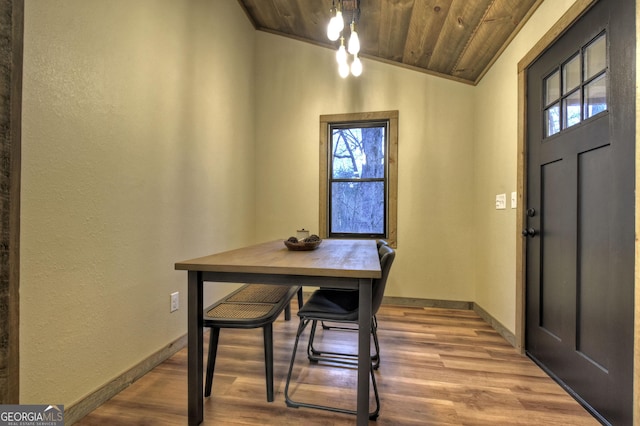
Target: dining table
336, 263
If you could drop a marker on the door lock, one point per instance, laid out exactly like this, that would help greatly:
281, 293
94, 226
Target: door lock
529, 232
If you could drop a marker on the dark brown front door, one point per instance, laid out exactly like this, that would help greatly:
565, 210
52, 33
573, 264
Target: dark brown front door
580, 208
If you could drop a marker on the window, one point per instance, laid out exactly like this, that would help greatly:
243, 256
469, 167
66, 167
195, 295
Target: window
359, 175
577, 89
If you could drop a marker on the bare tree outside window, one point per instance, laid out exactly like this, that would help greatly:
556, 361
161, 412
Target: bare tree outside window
358, 180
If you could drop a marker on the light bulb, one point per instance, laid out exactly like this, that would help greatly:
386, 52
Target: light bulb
341, 54
356, 67
354, 41
343, 69
339, 21
335, 26
332, 32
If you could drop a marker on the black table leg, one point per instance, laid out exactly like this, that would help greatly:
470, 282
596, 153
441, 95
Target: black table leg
364, 348
195, 348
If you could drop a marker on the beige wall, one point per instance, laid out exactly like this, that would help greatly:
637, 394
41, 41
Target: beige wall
457, 150
137, 153
154, 129
296, 83
496, 116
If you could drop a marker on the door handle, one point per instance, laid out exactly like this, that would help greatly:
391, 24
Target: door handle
529, 232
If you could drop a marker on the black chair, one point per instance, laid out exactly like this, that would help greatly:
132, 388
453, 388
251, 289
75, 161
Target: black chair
315, 355
340, 306
251, 306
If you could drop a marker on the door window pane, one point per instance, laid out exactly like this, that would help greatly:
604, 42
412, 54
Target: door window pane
595, 57
552, 120
571, 75
571, 109
595, 97
552, 88
581, 93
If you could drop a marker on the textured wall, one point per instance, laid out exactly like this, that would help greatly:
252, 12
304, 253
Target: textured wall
496, 99
137, 153
436, 153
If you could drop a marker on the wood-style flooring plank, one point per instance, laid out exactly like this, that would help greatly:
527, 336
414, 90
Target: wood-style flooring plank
439, 367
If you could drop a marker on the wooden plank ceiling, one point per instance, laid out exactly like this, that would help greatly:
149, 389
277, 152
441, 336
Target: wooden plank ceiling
456, 39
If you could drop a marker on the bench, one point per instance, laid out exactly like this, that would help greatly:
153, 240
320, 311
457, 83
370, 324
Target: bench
251, 306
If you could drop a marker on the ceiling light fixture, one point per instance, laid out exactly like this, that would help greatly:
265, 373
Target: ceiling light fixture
334, 32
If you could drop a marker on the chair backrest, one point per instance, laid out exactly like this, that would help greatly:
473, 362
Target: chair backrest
379, 244
387, 255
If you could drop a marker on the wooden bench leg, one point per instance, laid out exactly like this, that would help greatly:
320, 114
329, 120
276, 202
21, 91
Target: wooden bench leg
211, 359
268, 359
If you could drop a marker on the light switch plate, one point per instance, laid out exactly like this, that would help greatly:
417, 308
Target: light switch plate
514, 200
501, 201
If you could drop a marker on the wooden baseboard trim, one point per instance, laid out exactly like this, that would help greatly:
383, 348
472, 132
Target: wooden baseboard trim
454, 304
78, 410
495, 324
428, 303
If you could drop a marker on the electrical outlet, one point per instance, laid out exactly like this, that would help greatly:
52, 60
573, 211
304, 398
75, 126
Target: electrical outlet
175, 301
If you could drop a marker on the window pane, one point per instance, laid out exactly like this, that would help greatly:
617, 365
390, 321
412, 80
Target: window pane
595, 57
595, 97
571, 75
357, 207
552, 88
571, 109
358, 152
552, 120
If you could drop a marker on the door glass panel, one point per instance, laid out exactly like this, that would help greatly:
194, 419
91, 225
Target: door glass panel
595, 57
552, 120
571, 109
577, 88
595, 97
571, 75
552, 88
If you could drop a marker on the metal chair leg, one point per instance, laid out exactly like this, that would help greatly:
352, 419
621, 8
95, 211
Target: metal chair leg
301, 327
296, 404
316, 355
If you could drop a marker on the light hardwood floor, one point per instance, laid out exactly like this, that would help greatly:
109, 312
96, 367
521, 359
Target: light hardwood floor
439, 367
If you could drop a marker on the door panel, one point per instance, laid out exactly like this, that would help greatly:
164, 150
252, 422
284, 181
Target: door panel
580, 184
558, 225
593, 317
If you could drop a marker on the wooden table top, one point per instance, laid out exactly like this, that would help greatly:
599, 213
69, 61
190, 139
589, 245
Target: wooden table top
334, 258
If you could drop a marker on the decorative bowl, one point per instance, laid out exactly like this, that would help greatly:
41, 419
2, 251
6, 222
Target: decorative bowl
302, 245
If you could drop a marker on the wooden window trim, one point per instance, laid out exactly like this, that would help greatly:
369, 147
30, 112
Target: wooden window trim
392, 202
